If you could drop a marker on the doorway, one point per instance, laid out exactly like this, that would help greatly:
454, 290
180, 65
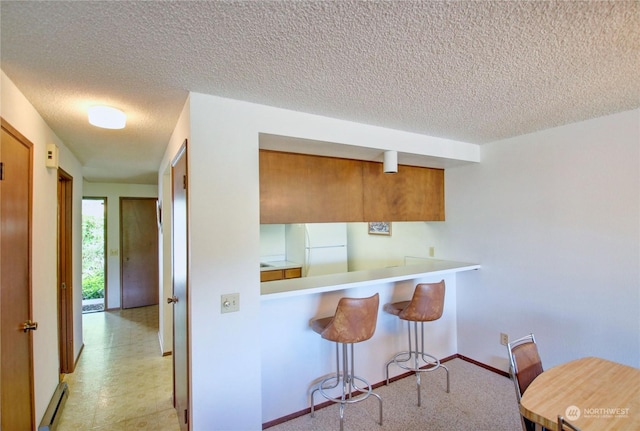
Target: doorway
94, 262
65, 272
180, 299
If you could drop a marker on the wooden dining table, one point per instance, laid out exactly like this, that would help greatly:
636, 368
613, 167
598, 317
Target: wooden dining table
592, 393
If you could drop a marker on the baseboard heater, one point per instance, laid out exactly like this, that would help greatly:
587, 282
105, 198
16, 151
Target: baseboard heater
52, 416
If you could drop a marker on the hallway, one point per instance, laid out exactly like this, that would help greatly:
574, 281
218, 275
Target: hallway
121, 381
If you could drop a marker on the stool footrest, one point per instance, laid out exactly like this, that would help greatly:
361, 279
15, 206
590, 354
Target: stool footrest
426, 362
345, 398
421, 363
356, 395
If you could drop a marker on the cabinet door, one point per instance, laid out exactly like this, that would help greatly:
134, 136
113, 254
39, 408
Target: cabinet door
272, 275
292, 273
299, 188
413, 194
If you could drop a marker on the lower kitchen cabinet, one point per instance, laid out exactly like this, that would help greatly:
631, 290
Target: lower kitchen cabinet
280, 274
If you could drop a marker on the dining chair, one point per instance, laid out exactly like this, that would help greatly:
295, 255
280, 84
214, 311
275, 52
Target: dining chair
524, 366
564, 425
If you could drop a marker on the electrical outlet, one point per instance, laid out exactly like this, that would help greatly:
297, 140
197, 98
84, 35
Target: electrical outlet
504, 339
432, 251
229, 302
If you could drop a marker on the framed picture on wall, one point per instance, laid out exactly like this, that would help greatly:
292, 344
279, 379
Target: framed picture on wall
379, 228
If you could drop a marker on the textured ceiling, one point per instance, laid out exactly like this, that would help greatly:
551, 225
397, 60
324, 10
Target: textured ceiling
467, 70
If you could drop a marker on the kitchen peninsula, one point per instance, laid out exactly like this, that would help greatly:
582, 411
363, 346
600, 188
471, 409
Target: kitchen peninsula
294, 356
333, 196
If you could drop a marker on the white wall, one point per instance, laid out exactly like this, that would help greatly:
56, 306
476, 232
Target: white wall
272, 242
224, 241
18, 112
554, 219
113, 192
379, 251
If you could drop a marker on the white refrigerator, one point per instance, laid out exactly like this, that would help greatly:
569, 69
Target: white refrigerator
321, 248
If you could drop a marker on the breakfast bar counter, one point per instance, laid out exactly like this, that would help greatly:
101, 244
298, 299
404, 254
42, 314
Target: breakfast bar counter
293, 357
331, 282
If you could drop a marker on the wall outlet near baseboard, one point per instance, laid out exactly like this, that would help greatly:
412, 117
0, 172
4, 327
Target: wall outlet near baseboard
504, 339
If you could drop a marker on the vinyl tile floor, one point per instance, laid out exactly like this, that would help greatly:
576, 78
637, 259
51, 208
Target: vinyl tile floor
121, 382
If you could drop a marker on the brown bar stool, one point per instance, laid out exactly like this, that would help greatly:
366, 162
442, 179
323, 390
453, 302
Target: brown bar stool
426, 305
354, 321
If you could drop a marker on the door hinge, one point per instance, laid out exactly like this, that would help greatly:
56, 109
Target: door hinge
1, 171
184, 182
186, 416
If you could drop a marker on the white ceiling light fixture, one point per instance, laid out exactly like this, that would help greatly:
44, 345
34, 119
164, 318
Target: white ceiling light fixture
107, 117
390, 162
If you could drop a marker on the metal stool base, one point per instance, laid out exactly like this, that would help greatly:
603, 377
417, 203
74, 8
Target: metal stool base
349, 385
416, 361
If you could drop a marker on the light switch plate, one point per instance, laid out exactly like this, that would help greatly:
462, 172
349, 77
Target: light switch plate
229, 302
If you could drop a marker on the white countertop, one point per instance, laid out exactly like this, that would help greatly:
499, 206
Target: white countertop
327, 283
279, 264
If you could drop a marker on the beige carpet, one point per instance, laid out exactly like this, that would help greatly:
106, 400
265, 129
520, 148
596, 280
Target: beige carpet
479, 400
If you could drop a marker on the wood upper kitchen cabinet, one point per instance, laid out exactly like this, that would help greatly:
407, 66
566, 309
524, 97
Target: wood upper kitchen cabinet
301, 188
413, 194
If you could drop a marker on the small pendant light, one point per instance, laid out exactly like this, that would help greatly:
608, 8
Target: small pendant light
390, 163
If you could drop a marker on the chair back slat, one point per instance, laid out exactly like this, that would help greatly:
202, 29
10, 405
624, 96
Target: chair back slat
528, 364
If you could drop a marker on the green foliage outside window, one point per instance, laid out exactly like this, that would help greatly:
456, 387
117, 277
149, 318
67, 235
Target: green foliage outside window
92, 257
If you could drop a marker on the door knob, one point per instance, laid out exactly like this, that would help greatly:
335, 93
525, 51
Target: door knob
171, 300
29, 326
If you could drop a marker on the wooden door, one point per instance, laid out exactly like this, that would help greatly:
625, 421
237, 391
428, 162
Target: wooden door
180, 288
16, 368
139, 252
65, 274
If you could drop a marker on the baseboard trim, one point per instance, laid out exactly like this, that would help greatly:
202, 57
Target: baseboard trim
307, 411
78, 357
485, 366
168, 352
